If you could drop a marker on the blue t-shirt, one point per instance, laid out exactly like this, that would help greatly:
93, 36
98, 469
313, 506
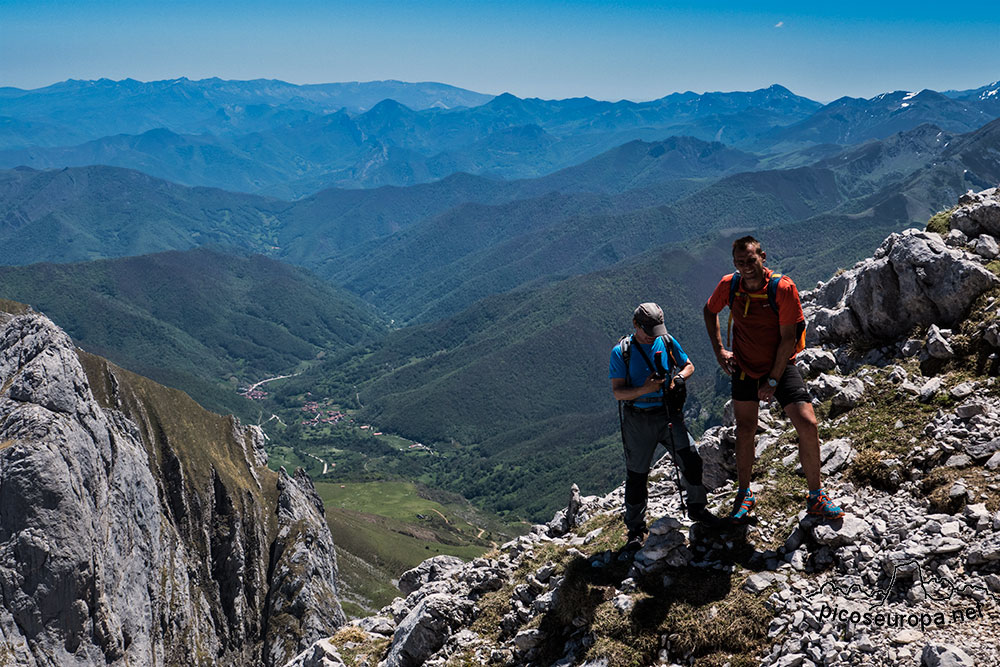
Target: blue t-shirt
639, 370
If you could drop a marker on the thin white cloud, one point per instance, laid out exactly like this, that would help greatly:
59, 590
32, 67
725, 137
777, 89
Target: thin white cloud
779, 24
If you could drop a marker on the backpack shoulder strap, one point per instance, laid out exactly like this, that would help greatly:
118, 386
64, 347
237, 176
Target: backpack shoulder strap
772, 290
625, 343
668, 342
734, 286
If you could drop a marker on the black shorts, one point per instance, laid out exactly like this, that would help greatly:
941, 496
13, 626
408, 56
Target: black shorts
791, 387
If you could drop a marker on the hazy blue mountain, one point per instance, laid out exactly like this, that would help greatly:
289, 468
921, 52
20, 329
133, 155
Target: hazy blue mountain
19, 133
854, 120
205, 133
188, 160
104, 107
101, 212
335, 220
276, 139
439, 265
887, 160
989, 91
639, 163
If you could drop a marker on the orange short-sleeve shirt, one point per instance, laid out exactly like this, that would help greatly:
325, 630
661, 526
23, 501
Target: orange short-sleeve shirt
756, 331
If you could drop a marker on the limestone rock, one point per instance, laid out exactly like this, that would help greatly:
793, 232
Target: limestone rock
992, 334
981, 451
956, 237
850, 531
978, 213
825, 386
969, 410
985, 246
306, 612
913, 280
718, 459
320, 654
814, 360
758, 583
929, 389
848, 397
935, 655
835, 455
425, 629
431, 569
937, 345
379, 625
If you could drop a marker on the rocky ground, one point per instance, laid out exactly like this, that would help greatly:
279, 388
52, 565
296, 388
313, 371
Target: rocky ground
902, 364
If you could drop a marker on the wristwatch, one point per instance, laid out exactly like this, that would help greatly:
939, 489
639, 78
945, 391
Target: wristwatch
771, 382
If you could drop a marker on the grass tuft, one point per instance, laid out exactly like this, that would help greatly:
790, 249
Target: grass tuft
940, 222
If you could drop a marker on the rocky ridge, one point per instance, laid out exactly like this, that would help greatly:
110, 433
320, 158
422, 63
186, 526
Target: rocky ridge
136, 528
902, 364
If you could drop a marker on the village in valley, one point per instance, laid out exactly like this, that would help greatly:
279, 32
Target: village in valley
318, 417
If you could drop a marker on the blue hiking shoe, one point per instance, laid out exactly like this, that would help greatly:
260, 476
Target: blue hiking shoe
819, 504
742, 506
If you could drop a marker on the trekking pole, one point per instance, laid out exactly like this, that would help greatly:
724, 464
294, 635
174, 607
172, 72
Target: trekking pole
658, 361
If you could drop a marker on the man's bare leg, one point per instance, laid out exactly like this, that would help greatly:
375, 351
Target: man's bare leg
746, 431
804, 419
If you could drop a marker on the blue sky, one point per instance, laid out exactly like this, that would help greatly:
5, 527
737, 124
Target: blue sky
548, 48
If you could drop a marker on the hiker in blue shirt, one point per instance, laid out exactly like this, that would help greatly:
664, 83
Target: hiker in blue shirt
649, 418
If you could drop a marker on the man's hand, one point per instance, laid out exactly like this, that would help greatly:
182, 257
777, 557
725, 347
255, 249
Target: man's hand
766, 392
653, 383
726, 360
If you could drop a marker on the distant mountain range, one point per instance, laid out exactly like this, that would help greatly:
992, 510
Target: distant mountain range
104, 107
278, 139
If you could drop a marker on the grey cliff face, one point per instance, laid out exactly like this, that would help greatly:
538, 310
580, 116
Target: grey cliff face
303, 551
914, 279
119, 545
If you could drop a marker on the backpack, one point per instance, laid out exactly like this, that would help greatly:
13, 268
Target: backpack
772, 300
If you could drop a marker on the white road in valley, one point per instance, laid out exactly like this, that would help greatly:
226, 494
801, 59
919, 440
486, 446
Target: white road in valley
280, 377
320, 460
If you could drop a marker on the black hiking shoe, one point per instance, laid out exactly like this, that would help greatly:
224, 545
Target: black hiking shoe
635, 539
701, 514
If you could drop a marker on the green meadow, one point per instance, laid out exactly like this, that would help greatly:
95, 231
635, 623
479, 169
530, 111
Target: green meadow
384, 528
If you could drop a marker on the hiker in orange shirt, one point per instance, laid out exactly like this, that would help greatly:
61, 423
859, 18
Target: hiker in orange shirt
768, 330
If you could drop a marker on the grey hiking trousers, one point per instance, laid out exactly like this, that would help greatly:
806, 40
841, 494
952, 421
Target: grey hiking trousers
642, 431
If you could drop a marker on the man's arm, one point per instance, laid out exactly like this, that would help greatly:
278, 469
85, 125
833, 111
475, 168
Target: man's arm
722, 355
785, 348
623, 392
686, 371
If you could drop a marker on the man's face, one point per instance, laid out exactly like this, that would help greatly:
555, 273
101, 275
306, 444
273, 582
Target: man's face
750, 263
641, 335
